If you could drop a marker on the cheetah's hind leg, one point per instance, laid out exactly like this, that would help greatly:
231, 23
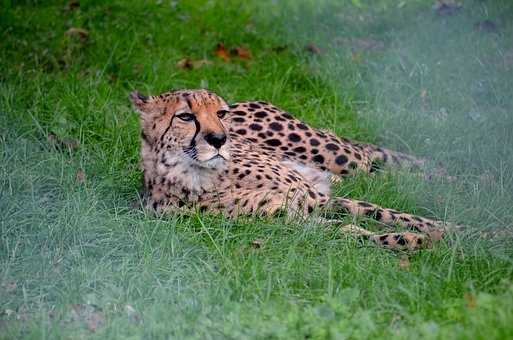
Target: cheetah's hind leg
435, 230
395, 241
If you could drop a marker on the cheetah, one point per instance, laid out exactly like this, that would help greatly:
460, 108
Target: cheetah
253, 158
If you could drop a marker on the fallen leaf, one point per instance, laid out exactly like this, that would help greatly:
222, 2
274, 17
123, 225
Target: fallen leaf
80, 176
221, 52
404, 262
446, 7
83, 34
52, 138
312, 48
70, 143
257, 244
470, 299
190, 64
59, 143
241, 52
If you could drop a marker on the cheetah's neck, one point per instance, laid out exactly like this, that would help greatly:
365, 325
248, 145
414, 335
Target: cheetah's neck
186, 179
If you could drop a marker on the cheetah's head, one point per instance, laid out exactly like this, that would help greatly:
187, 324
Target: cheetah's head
188, 123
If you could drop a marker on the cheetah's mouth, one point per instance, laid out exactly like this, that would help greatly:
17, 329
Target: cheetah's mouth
218, 156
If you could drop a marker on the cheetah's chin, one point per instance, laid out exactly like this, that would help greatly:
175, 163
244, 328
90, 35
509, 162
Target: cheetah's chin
215, 162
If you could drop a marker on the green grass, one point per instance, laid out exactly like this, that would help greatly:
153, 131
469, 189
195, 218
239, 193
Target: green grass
77, 262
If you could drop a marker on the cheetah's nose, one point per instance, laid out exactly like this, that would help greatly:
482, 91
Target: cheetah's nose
215, 139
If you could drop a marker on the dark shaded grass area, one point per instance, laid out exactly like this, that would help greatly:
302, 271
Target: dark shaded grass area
76, 261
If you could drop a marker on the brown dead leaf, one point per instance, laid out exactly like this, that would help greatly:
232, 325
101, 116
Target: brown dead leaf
312, 48
241, 52
470, 299
221, 52
70, 143
81, 33
59, 143
52, 138
190, 64
80, 176
257, 244
404, 262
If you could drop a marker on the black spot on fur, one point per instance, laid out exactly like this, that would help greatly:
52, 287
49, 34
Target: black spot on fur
255, 127
318, 159
254, 106
241, 132
299, 149
273, 142
314, 142
332, 147
261, 114
400, 239
276, 126
238, 119
302, 126
341, 159
294, 137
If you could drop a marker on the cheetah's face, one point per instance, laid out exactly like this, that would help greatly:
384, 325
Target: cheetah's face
187, 123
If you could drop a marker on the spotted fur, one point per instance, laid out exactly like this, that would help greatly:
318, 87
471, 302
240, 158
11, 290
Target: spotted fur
253, 158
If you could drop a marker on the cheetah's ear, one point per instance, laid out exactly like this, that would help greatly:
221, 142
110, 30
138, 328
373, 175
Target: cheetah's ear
139, 100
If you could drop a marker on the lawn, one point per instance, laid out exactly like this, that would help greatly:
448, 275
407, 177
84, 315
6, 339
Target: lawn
77, 261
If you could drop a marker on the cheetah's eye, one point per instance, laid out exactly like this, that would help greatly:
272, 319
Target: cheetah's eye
186, 117
221, 113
